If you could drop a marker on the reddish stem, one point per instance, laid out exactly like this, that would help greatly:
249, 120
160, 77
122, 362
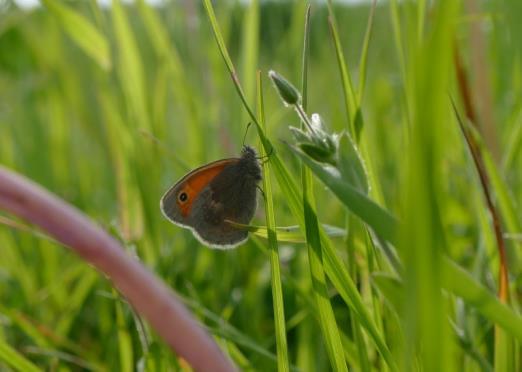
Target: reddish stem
465, 93
149, 296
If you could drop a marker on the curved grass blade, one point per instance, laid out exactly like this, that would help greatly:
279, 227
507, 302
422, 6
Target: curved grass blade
277, 289
315, 257
334, 267
125, 351
459, 282
391, 288
82, 32
288, 234
14, 359
462, 284
327, 320
350, 101
130, 67
506, 205
220, 327
380, 220
364, 55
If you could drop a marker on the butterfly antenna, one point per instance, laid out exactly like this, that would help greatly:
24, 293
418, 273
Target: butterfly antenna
246, 132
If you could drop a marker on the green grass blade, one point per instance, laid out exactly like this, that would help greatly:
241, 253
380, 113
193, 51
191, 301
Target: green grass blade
342, 281
503, 360
391, 288
221, 328
334, 268
515, 142
289, 234
381, 221
506, 205
226, 57
399, 47
504, 344
358, 234
41, 336
277, 291
130, 68
305, 58
250, 48
422, 239
76, 299
82, 32
14, 359
71, 73
462, 284
363, 63
125, 351
171, 61
121, 149
327, 320
320, 290
350, 100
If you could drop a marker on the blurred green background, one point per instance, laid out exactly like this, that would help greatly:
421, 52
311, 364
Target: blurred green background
108, 106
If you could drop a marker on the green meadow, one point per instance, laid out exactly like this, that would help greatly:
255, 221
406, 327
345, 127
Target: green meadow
388, 234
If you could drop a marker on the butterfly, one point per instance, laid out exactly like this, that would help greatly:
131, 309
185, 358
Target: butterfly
205, 199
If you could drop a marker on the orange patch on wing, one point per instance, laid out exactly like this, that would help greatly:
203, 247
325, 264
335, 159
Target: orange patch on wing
198, 179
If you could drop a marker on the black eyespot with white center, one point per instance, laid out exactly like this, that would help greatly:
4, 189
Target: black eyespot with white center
182, 197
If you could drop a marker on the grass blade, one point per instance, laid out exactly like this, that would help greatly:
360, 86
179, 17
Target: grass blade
327, 320
364, 54
277, 291
125, 350
462, 284
288, 234
381, 221
334, 268
130, 68
315, 257
422, 239
83, 33
350, 101
14, 359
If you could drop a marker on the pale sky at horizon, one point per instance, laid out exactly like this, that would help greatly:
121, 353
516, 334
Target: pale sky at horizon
33, 3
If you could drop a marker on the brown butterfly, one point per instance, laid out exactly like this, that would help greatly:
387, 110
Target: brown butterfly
206, 197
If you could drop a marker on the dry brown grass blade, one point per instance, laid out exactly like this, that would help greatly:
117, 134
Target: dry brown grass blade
476, 154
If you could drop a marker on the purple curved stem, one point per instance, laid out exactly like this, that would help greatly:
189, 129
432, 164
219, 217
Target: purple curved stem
149, 296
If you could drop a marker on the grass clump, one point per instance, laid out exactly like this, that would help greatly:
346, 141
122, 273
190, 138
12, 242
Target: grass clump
107, 114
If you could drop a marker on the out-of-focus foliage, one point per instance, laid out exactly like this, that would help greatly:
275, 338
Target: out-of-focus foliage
109, 106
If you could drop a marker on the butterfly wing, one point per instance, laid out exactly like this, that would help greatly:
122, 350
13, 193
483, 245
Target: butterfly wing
231, 195
205, 198
178, 201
